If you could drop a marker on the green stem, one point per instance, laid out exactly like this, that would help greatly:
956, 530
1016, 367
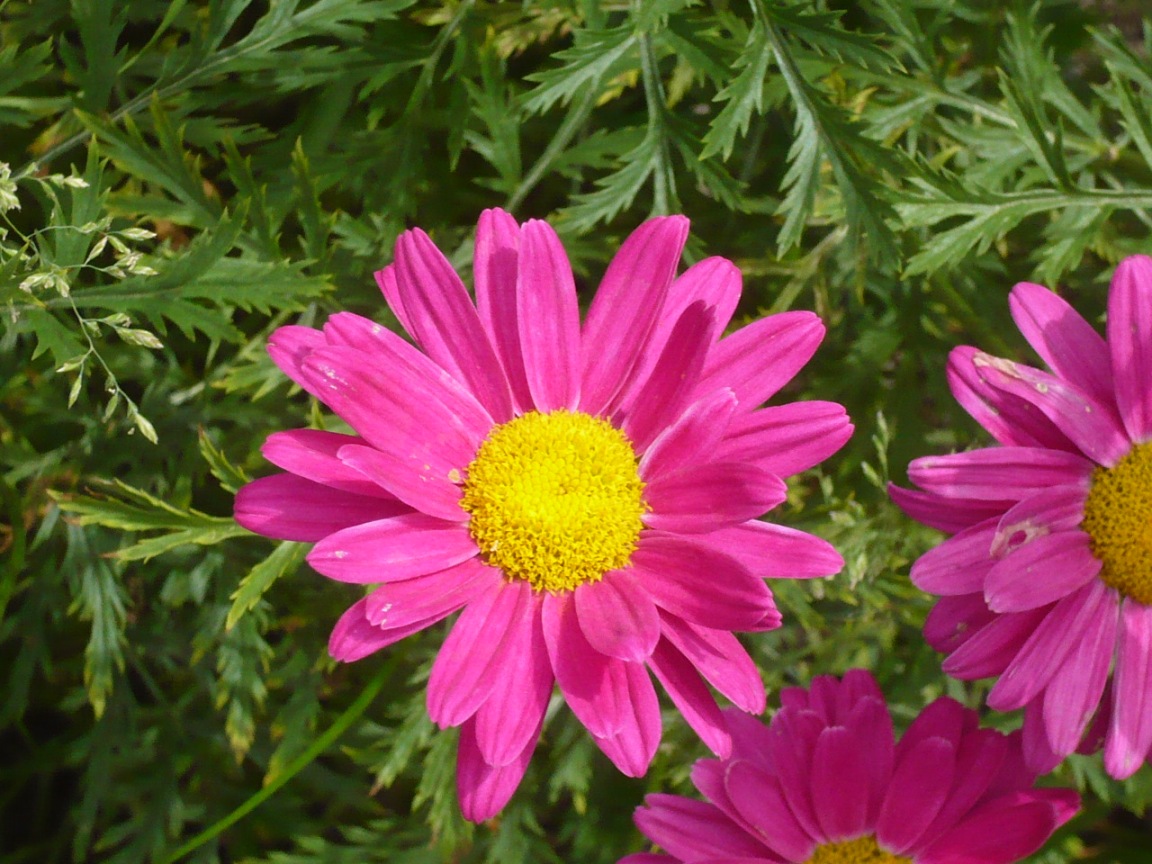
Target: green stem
338, 728
663, 179
572, 124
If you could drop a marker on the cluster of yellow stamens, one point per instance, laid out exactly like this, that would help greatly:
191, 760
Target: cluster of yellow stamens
1118, 518
862, 850
555, 499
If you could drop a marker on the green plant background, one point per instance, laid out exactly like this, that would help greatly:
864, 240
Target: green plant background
183, 177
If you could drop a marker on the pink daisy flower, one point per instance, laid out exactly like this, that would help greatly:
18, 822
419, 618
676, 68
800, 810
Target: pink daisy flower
587, 494
1047, 583
824, 783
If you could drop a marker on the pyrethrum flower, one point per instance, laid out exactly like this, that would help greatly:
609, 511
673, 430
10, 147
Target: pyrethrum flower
825, 783
1047, 584
587, 494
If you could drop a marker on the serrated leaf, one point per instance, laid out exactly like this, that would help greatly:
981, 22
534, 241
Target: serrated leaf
203, 275
100, 599
51, 335
99, 25
618, 190
822, 31
284, 560
744, 95
594, 55
230, 476
137, 510
823, 132
242, 657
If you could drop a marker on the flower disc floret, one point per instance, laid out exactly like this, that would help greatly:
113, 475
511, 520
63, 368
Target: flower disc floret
1118, 519
862, 850
555, 499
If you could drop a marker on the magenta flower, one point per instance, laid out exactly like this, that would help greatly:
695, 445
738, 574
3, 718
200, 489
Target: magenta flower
1047, 584
587, 494
824, 783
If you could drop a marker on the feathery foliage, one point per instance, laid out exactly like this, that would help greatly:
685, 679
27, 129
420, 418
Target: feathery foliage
178, 179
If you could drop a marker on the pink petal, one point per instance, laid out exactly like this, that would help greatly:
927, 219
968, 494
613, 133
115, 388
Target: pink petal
1073, 694
509, 720
692, 830
716, 282
870, 725
1130, 342
1060, 508
773, 551
353, 638
989, 650
437, 595
288, 507
390, 287
1063, 339
480, 641
445, 323
311, 453
787, 439
1046, 649
958, 565
721, 659
593, 684
790, 752
691, 696
393, 549
1012, 422
349, 330
944, 718
632, 746
1001, 832
548, 318
955, 620
1130, 731
920, 784
422, 490
401, 410
1036, 750
696, 433
950, 515
625, 309
399, 358
1093, 427
839, 784
757, 360
1041, 572
708, 777
665, 392
999, 473
288, 346
979, 759
701, 498
700, 585
483, 789
757, 797
618, 617
495, 271
1094, 737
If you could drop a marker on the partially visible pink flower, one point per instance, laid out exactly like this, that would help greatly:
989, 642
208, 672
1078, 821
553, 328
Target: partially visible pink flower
1047, 583
825, 783
587, 493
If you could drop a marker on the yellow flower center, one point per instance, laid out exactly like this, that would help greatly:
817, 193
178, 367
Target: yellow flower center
1118, 518
555, 499
862, 850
